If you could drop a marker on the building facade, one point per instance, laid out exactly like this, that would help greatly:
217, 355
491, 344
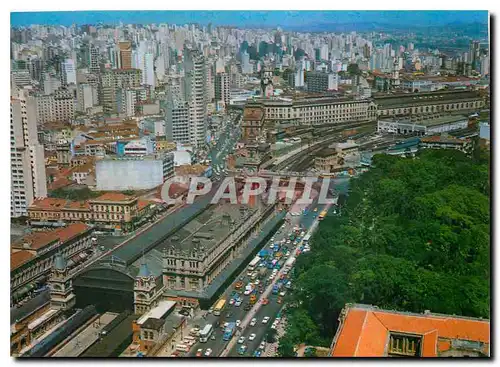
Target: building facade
28, 178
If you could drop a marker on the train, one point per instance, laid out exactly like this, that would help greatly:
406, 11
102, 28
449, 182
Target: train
69, 327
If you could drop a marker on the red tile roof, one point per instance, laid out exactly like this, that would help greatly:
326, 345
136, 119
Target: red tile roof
365, 331
18, 258
38, 240
57, 204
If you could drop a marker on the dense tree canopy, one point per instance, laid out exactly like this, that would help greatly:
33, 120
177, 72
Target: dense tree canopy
414, 235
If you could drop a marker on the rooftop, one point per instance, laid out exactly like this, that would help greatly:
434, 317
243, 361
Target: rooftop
20, 257
365, 332
38, 240
114, 197
443, 139
253, 113
423, 98
433, 122
159, 312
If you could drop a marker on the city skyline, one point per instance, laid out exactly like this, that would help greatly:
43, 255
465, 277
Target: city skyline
273, 18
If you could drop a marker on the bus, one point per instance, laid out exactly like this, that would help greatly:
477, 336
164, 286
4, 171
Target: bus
254, 263
306, 239
229, 331
219, 307
322, 215
206, 333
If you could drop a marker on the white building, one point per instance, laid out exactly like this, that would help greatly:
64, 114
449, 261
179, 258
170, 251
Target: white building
177, 121
139, 147
422, 127
68, 72
86, 97
134, 173
28, 179
195, 95
59, 106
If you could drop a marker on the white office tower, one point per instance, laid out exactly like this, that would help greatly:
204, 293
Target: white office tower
68, 72
333, 81
85, 97
299, 75
50, 84
246, 68
324, 52
195, 94
160, 67
148, 73
28, 179
485, 65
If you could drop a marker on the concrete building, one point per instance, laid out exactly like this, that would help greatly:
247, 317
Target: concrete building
318, 82
222, 93
68, 72
141, 147
428, 103
115, 80
195, 95
418, 126
367, 331
177, 121
57, 107
125, 54
28, 178
86, 97
50, 84
94, 62
446, 142
134, 173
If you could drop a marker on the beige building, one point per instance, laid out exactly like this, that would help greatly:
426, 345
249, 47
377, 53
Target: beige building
28, 178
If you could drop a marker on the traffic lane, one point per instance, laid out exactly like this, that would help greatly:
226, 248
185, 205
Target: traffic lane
237, 313
271, 310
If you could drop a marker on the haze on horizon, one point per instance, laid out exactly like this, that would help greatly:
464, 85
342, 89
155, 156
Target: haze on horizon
285, 19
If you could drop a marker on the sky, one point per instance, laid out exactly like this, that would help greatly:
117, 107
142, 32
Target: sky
284, 19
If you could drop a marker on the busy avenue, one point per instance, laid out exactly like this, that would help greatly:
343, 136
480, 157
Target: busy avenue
258, 291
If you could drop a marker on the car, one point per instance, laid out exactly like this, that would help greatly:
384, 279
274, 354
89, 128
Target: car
315, 210
265, 301
208, 352
257, 282
288, 242
273, 326
282, 294
199, 352
238, 303
262, 345
210, 310
226, 324
247, 292
253, 322
241, 340
265, 320
248, 307
231, 301
242, 349
257, 353
252, 336
238, 323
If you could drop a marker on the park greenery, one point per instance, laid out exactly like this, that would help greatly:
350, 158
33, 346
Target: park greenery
414, 235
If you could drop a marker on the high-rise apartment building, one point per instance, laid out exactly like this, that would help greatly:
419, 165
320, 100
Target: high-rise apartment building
474, 54
114, 80
177, 120
59, 106
125, 54
68, 72
222, 88
94, 66
28, 179
195, 94
318, 82
86, 95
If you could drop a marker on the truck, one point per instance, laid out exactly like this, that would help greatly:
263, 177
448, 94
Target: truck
229, 331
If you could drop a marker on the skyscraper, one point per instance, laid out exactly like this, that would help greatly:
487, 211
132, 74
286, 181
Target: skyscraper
125, 54
222, 88
28, 179
94, 60
474, 56
68, 72
195, 94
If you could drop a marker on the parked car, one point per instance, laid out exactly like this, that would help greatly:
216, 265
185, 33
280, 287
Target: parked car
208, 352
252, 336
253, 322
241, 340
265, 320
199, 352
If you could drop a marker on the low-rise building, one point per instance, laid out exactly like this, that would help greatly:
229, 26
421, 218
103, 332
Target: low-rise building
328, 160
446, 142
367, 331
134, 173
33, 255
418, 126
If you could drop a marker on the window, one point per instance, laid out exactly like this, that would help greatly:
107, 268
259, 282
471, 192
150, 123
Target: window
404, 345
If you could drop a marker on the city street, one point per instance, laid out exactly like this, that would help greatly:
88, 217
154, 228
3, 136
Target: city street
232, 313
